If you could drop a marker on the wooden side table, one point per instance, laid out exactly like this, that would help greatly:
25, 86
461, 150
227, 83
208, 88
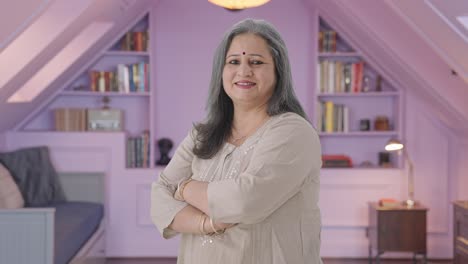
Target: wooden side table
397, 228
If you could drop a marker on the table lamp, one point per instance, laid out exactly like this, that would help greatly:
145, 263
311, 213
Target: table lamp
396, 145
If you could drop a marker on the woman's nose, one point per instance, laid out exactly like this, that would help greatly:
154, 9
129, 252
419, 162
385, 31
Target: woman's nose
244, 70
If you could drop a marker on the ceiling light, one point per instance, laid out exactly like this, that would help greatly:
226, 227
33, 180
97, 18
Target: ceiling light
238, 4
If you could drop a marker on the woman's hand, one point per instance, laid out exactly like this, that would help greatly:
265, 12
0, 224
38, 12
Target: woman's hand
220, 227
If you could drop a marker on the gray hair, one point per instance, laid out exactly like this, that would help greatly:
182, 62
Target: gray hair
216, 129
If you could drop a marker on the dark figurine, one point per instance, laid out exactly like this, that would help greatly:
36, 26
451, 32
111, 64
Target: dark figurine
165, 146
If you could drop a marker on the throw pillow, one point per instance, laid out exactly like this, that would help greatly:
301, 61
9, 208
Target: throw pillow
33, 172
10, 196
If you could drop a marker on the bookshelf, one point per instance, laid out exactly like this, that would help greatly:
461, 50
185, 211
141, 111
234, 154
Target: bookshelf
356, 109
120, 74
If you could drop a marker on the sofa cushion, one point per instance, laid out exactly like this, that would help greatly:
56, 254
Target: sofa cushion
35, 175
75, 223
10, 195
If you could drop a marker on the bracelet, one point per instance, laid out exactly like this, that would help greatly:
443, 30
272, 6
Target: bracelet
212, 227
182, 188
179, 194
200, 225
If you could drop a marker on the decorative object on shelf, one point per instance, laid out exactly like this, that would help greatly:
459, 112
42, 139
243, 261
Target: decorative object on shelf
165, 145
105, 119
105, 102
366, 84
381, 123
336, 161
238, 4
396, 145
384, 160
366, 164
364, 124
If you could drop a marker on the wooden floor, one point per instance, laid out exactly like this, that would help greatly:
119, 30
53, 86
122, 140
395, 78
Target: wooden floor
325, 261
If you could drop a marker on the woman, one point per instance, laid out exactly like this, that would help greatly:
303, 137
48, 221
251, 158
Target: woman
243, 185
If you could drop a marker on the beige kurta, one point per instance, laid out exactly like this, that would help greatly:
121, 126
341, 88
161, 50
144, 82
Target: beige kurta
269, 186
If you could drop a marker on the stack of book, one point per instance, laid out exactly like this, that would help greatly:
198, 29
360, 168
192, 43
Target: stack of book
327, 41
340, 77
126, 79
134, 41
70, 119
138, 148
389, 202
332, 117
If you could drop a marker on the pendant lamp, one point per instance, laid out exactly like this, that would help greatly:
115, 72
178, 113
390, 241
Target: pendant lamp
238, 4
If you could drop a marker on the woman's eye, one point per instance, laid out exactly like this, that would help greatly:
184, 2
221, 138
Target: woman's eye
233, 62
256, 62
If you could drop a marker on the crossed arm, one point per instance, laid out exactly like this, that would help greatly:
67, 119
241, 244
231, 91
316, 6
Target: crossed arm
189, 220
287, 157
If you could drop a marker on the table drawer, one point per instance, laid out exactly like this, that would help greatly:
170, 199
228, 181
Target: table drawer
461, 224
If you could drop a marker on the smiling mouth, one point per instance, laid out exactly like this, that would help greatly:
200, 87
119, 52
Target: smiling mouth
245, 84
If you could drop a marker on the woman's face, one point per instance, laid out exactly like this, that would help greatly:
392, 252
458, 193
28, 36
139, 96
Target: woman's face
249, 72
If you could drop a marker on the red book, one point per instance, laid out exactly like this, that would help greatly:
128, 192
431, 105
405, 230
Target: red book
388, 202
138, 40
336, 161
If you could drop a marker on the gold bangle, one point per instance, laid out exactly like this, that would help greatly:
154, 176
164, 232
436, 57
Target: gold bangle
212, 226
182, 188
200, 227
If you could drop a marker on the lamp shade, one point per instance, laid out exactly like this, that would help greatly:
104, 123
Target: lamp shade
238, 4
394, 145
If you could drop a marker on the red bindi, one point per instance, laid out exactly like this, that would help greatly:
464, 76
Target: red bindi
243, 53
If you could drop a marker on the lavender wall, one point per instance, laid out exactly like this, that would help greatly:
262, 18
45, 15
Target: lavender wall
435, 139
186, 35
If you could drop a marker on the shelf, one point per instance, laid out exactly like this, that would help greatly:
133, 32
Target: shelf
73, 133
338, 54
358, 134
87, 93
126, 53
360, 94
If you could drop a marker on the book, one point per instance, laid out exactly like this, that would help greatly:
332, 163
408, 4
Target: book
388, 202
336, 161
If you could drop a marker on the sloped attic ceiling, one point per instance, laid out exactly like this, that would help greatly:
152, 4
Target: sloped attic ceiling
391, 41
437, 21
53, 42
402, 54
17, 17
